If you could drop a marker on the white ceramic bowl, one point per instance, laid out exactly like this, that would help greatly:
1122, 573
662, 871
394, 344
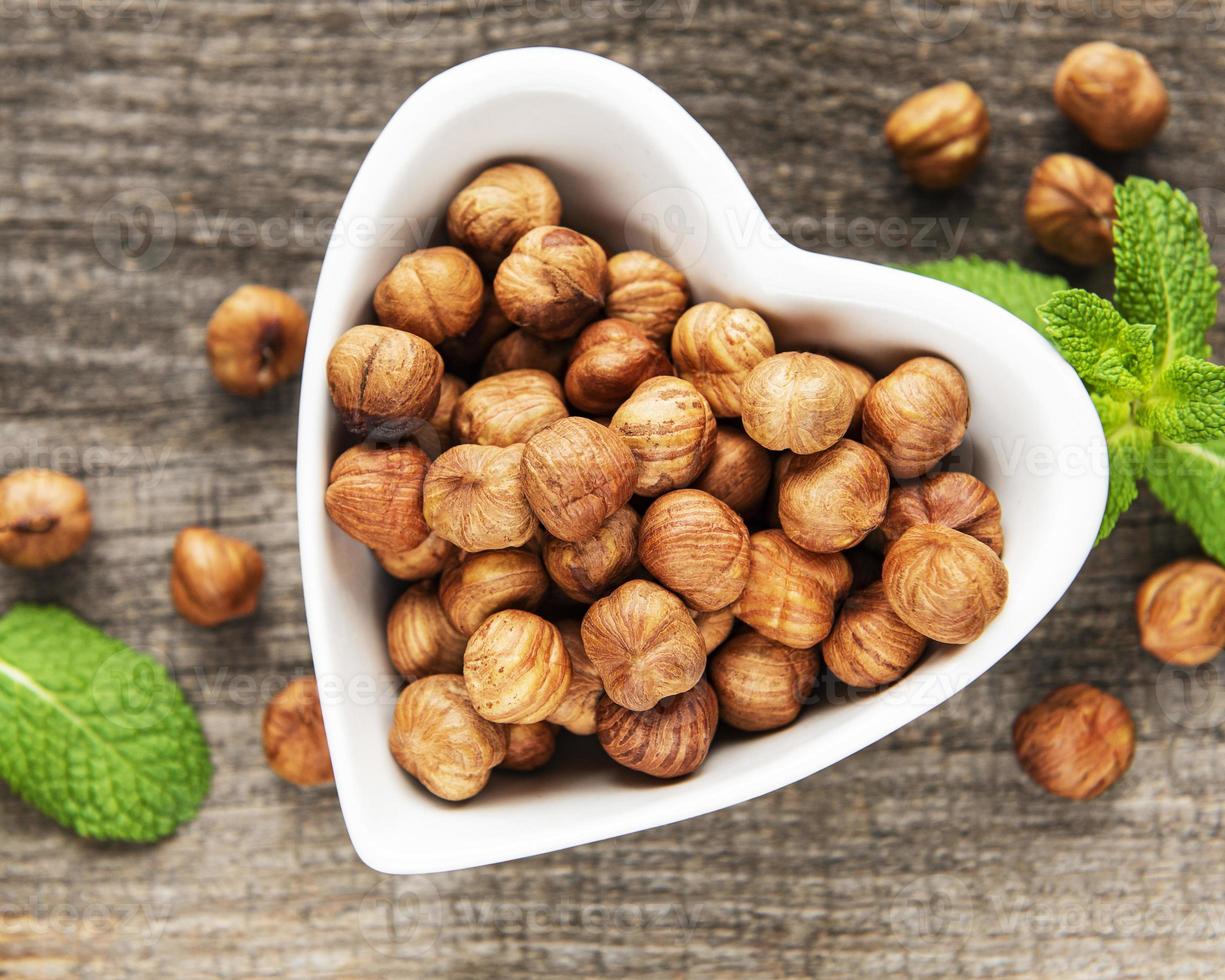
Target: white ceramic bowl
634, 168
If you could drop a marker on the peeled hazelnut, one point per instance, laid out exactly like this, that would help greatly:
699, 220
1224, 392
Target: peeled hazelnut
488, 582
957, 500
516, 668
520, 349
860, 381
438, 737
791, 593
761, 684
375, 495
466, 352
940, 135
420, 639
739, 471
44, 518
529, 747
588, 569
1112, 94
473, 497
644, 644
576, 474
508, 408
668, 740
608, 361
577, 711
697, 546
384, 383
944, 584
500, 206
1181, 612
670, 429
553, 282
647, 292
869, 645
715, 347
295, 744
214, 578
831, 500
916, 415
434, 293
797, 401
426, 560
1076, 742
256, 339
715, 626
1070, 209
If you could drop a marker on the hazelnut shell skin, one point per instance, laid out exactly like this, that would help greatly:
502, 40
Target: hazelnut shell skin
1112, 94
715, 347
1070, 209
498, 207
869, 645
714, 626
588, 569
214, 578
464, 354
473, 497
434, 293
669, 740
295, 743
384, 383
670, 429
761, 685
256, 339
488, 582
831, 500
1076, 742
420, 638
44, 518
609, 360
577, 711
796, 401
529, 747
646, 291
1180, 610
553, 282
426, 560
508, 408
520, 349
940, 135
516, 668
860, 381
916, 415
376, 495
957, 500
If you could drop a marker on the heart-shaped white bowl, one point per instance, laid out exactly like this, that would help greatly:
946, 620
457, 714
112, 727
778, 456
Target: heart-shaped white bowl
634, 169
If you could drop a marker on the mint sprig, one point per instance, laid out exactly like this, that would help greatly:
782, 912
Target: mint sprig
93, 733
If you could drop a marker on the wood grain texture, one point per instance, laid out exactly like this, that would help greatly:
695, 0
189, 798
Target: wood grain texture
241, 123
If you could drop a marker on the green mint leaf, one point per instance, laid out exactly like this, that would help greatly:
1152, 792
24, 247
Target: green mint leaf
1163, 270
1187, 401
1018, 290
1111, 356
93, 733
1128, 447
1190, 480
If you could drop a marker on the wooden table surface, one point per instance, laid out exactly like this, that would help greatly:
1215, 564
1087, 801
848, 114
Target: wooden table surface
239, 125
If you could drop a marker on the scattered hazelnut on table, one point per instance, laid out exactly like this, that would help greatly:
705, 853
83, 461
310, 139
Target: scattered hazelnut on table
577, 711
738, 472
482, 584
869, 645
420, 638
939, 135
646, 291
831, 500
214, 578
508, 408
529, 747
44, 518
438, 737
256, 339
516, 668
796, 401
668, 740
295, 744
520, 349
376, 496
715, 626
498, 207
434, 293
384, 383
608, 361
957, 500
590, 568
426, 560
1180, 609
761, 684
1076, 742
473, 497
1112, 94
916, 415
1070, 209
669, 428
715, 347
697, 546
553, 282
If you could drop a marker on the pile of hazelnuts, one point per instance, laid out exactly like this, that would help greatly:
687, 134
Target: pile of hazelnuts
629, 516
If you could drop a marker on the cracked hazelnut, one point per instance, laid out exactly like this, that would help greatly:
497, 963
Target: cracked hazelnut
869, 645
943, 583
791, 593
832, 500
434, 293
500, 206
426, 560
295, 744
697, 546
466, 352
609, 360
939, 135
214, 578
375, 496
489, 582
916, 415
761, 685
860, 382
738, 473
957, 500
715, 626
256, 339
384, 383
588, 569
646, 291
508, 408
552, 284
1112, 94
516, 668
1070, 209
1076, 742
577, 711
576, 474
644, 644
438, 738
519, 350
715, 347
670, 429
420, 639
473, 497
529, 747
796, 401
668, 740
44, 518
1181, 612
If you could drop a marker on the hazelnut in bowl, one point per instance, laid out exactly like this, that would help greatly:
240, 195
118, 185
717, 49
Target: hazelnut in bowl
627, 162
